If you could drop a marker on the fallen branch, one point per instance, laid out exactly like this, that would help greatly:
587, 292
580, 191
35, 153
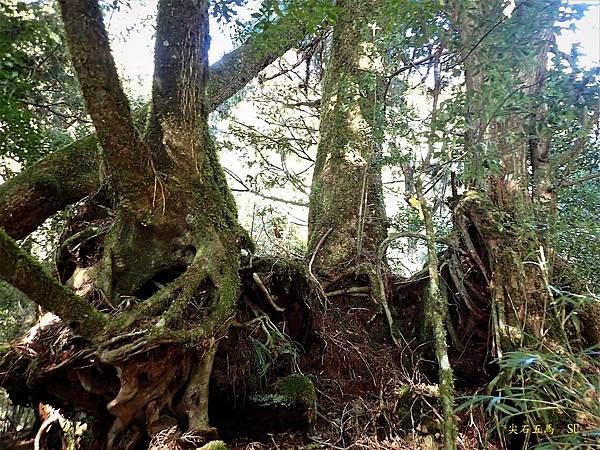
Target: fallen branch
349, 290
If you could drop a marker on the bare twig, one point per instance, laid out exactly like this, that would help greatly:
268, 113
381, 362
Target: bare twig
590, 177
312, 260
266, 293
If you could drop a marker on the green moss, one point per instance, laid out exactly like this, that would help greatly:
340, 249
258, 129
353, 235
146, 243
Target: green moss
214, 445
25, 273
293, 389
297, 388
271, 400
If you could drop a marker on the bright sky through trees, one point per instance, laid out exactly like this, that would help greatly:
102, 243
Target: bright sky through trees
587, 34
132, 29
133, 44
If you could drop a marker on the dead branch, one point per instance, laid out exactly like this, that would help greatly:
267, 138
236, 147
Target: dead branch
266, 293
355, 290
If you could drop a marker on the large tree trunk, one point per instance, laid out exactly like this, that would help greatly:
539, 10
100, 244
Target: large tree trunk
72, 173
347, 222
168, 274
174, 215
505, 229
346, 212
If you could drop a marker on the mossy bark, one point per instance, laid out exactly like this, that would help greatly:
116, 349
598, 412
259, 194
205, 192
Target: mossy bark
62, 178
190, 216
172, 212
71, 173
507, 253
497, 220
346, 192
436, 319
22, 271
105, 100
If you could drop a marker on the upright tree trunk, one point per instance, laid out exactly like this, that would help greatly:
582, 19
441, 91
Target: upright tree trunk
498, 225
346, 213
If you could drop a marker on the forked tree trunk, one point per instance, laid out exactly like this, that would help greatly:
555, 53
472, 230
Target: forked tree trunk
170, 256
72, 173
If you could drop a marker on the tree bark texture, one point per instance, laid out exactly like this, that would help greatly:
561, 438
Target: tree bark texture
105, 100
499, 227
346, 191
170, 250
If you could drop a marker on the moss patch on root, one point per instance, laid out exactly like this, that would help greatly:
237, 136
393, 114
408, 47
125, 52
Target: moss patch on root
214, 445
292, 390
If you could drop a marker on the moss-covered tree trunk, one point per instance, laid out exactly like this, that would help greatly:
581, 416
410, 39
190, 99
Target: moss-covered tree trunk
436, 312
347, 221
167, 281
347, 214
72, 173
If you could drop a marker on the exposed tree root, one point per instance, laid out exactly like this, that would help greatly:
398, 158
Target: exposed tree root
149, 380
152, 369
497, 283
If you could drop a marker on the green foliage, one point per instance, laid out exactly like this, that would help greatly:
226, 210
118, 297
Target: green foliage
570, 91
214, 445
312, 13
281, 15
17, 312
279, 350
262, 357
39, 98
226, 11
292, 389
549, 389
577, 238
